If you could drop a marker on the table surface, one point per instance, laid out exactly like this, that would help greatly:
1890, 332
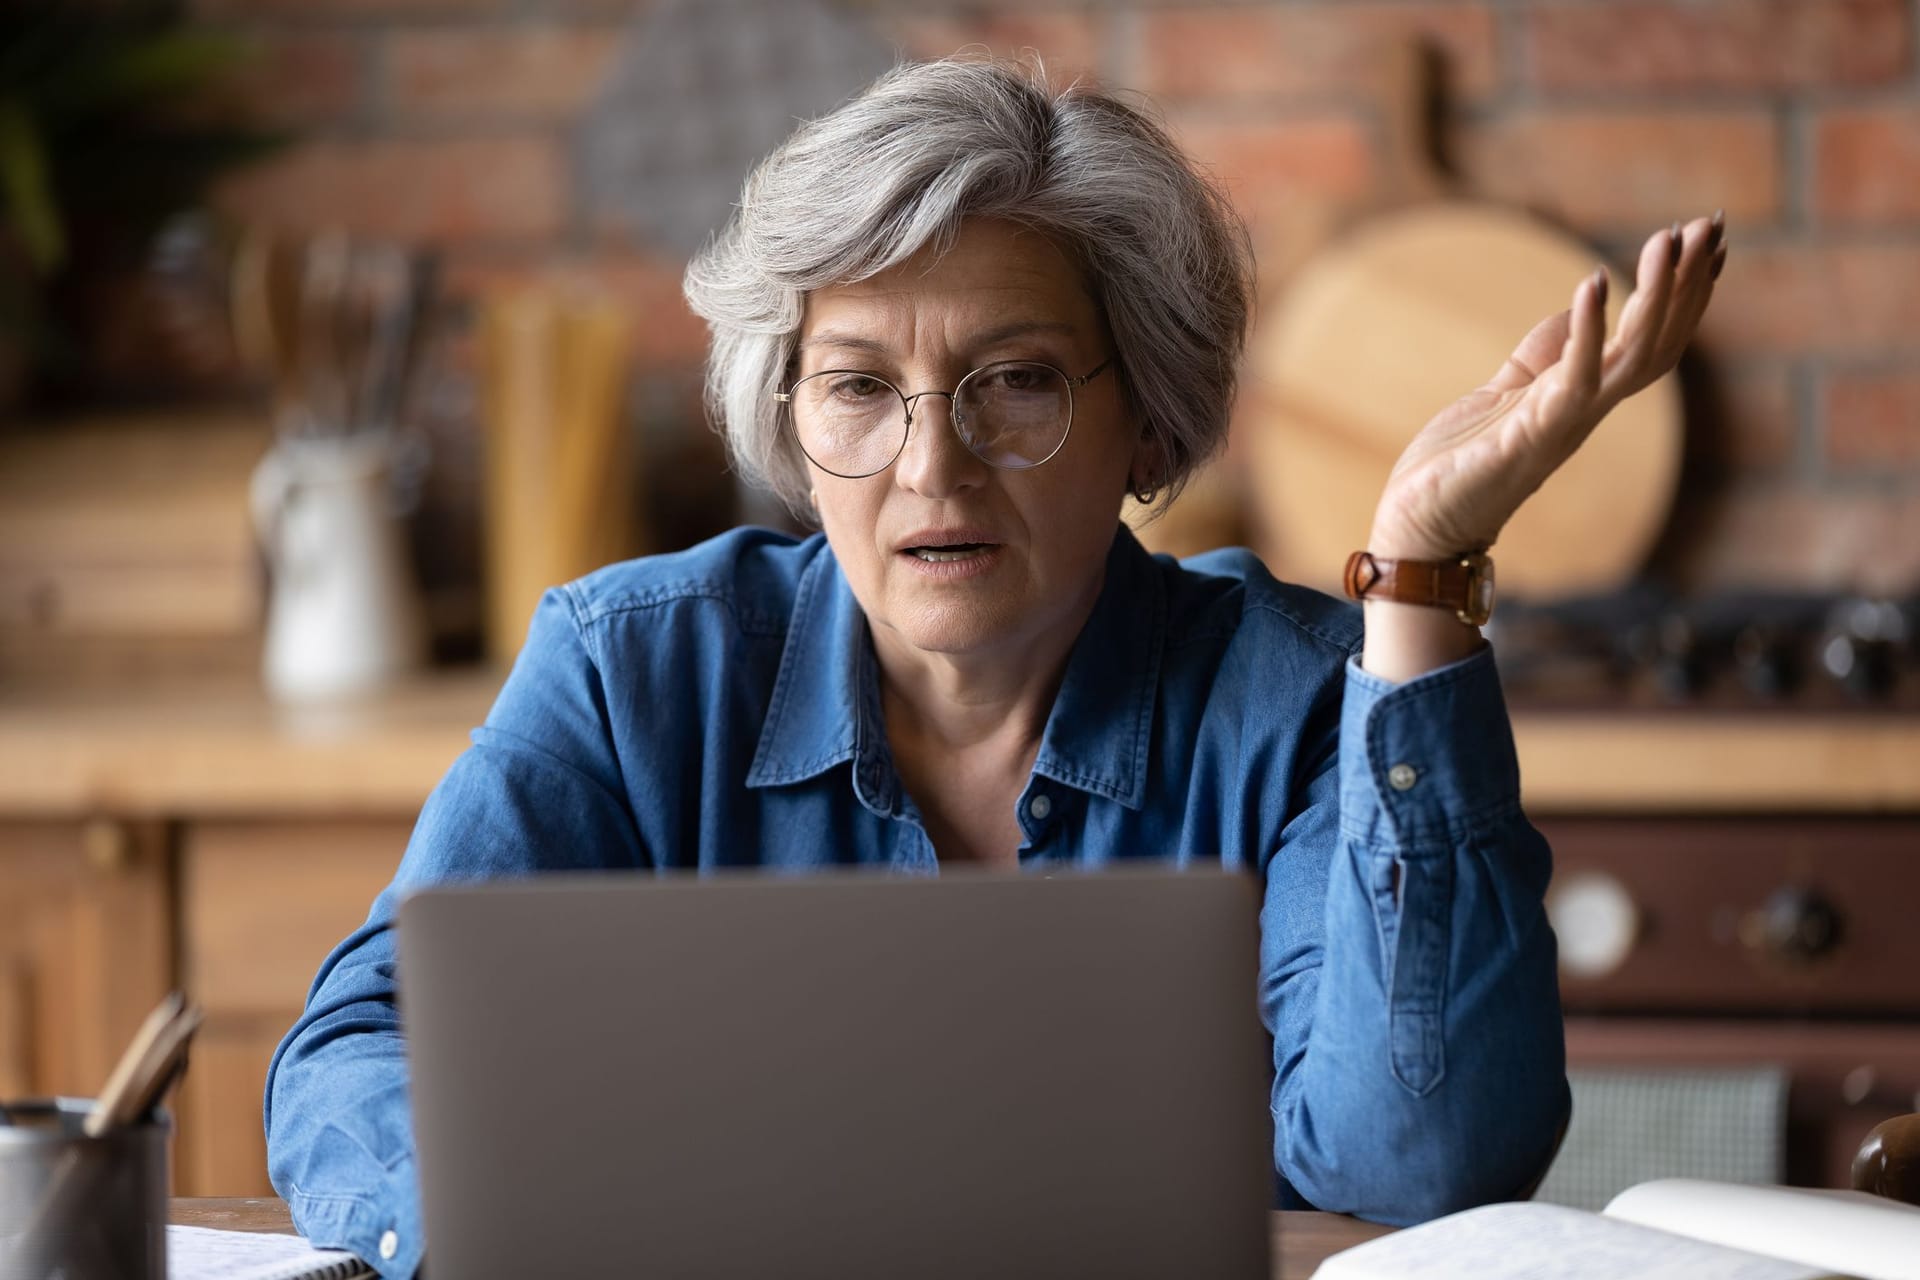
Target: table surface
1301, 1240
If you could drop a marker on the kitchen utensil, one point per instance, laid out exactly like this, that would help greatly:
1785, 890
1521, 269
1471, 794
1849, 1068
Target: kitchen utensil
560, 477
1402, 315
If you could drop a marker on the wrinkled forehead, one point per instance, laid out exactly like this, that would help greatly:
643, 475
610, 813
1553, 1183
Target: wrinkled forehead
994, 274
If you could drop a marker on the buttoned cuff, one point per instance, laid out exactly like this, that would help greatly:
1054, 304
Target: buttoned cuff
1425, 763
384, 1231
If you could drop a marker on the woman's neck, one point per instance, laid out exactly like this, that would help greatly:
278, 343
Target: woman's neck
994, 700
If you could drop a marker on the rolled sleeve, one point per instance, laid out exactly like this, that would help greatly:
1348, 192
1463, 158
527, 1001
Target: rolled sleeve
1433, 1076
1437, 761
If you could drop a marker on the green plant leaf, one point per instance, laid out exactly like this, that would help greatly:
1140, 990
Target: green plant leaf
30, 205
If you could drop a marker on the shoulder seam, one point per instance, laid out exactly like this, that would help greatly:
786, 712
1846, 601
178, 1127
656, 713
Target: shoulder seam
1345, 644
750, 622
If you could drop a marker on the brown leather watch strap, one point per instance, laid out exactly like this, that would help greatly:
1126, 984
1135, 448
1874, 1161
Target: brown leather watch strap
1445, 584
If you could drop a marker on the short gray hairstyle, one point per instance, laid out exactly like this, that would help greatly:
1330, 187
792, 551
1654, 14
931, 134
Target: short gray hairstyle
897, 168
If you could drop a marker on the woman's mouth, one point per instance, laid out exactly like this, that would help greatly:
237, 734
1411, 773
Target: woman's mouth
949, 554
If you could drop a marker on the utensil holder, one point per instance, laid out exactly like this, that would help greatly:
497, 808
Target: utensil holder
81, 1208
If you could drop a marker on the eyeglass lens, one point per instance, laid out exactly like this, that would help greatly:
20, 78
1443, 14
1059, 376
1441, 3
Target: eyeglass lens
1012, 415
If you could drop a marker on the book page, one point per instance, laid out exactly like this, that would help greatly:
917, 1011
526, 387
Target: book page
1848, 1231
1548, 1242
200, 1253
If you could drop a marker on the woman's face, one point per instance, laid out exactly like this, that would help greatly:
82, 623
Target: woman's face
1001, 293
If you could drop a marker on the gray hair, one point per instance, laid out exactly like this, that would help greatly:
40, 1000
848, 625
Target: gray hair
896, 169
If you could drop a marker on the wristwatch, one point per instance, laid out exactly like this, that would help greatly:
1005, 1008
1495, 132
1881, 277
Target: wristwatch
1463, 584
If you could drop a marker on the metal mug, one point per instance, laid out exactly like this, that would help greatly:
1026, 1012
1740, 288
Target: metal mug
81, 1208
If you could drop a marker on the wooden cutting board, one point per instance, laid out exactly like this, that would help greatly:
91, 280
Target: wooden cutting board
1396, 319
1389, 326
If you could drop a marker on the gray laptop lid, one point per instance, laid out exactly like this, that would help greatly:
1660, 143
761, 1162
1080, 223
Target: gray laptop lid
843, 1075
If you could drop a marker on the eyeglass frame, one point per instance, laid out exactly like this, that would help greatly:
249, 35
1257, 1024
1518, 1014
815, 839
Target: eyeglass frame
906, 405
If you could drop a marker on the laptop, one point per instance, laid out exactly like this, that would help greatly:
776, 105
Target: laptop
841, 1074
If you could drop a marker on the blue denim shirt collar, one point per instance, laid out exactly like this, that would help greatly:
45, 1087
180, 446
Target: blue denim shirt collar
826, 698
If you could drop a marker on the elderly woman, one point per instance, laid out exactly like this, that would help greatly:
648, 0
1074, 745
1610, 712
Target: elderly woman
956, 322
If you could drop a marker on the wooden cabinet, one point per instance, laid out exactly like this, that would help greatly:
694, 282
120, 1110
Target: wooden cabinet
261, 904
85, 948
100, 919
258, 837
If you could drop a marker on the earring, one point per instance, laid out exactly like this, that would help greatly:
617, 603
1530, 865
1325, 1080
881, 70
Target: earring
1145, 494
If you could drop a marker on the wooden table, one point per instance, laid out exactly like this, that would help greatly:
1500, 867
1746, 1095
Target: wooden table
1301, 1240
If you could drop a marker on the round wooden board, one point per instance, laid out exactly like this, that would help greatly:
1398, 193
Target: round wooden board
1386, 327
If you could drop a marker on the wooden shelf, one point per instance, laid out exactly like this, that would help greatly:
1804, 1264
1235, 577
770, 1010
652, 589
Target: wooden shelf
223, 750
1718, 763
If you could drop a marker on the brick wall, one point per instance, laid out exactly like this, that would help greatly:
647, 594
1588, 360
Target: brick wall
451, 121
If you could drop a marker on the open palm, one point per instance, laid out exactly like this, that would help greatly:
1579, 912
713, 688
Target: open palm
1466, 473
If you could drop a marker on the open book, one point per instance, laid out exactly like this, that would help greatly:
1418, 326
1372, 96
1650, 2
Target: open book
1675, 1227
200, 1253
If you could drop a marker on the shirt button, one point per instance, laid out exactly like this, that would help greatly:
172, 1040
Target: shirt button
1402, 777
389, 1245
1039, 807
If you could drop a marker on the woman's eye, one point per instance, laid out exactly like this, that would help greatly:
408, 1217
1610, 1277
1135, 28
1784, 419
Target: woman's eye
1015, 379
857, 388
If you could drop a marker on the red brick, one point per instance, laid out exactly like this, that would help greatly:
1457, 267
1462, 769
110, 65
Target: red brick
459, 189
1873, 419
1268, 162
1319, 49
1853, 299
1071, 44
1867, 165
301, 77
1743, 419
539, 72
667, 335
1715, 44
1630, 171
1799, 537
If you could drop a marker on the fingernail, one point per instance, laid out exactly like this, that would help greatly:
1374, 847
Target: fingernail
1719, 261
1673, 235
1600, 286
1718, 228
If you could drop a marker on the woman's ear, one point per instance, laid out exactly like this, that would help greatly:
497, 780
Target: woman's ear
1147, 472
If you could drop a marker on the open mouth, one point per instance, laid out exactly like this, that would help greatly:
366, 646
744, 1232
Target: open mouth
951, 552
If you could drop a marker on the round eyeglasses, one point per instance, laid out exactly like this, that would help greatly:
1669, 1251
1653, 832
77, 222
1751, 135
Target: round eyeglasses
1014, 414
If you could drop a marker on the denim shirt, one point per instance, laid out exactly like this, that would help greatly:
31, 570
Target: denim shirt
721, 707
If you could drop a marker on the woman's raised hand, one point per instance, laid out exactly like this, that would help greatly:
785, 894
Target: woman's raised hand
1470, 468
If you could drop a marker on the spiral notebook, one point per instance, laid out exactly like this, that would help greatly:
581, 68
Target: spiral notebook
199, 1253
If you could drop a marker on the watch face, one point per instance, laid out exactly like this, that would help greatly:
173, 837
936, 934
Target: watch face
1479, 590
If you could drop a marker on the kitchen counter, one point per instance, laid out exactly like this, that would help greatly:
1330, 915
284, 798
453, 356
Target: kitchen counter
221, 748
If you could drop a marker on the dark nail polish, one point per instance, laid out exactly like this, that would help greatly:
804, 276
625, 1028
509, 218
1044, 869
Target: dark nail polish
1600, 286
1673, 235
1719, 261
1718, 228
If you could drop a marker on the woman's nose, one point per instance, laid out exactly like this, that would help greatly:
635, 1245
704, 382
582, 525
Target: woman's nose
936, 463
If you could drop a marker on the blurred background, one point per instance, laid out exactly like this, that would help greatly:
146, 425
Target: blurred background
332, 331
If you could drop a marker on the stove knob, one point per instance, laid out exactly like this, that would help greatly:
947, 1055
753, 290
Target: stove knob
1595, 920
1794, 926
1864, 667
1766, 661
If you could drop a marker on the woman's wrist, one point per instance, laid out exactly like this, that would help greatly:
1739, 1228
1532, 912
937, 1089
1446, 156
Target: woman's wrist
1408, 640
